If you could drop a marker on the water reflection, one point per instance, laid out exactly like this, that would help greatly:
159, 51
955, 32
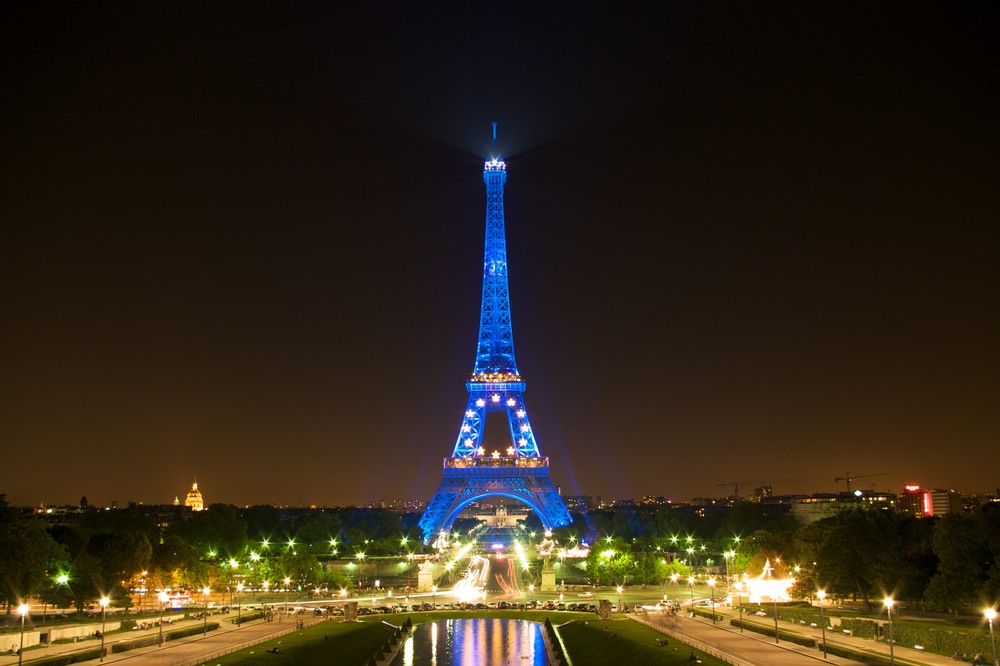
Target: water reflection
474, 642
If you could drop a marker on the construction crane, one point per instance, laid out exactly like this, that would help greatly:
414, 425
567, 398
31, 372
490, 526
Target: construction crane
850, 477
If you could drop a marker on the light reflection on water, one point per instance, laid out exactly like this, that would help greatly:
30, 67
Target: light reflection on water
474, 642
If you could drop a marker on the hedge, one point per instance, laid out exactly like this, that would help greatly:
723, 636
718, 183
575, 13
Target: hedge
248, 617
862, 657
147, 641
74, 658
709, 613
768, 631
940, 640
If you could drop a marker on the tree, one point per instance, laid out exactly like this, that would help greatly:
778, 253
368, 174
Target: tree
858, 553
964, 562
27, 555
219, 529
175, 564
122, 558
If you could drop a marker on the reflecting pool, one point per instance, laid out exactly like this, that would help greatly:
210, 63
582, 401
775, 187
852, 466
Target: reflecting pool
474, 642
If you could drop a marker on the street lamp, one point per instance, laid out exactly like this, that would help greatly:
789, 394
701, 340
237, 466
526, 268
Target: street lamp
23, 611
991, 614
619, 598
142, 589
711, 584
821, 595
739, 601
729, 554
691, 586
774, 599
104, 617
62, 579
287, 581
888, 607
239, 590
206, 592
162, 596
673, 579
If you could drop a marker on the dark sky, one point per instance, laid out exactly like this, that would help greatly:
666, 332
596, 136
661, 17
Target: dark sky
751, 242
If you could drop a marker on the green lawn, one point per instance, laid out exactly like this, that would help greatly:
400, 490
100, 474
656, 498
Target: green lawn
624, 642
346, 643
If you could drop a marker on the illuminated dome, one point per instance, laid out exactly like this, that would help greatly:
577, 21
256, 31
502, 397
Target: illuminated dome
194, 499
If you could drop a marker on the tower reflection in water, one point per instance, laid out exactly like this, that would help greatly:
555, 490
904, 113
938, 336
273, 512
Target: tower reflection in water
474, 642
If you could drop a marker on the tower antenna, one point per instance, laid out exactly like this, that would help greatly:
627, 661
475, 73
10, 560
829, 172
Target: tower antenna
493, 147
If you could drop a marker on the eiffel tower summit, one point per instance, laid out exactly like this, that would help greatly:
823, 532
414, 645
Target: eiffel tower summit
471, 472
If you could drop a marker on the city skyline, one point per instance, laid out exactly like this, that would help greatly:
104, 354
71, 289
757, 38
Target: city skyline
417, 504
751, 245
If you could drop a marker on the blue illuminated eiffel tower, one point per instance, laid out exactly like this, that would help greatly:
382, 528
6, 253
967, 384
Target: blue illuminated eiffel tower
472, 473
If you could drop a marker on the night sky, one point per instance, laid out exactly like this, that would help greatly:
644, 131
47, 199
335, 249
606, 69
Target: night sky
751, 242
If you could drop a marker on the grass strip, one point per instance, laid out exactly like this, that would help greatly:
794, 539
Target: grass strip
602, 642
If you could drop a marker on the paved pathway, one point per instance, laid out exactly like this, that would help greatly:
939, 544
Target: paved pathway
761, 650
190, 650
747, 646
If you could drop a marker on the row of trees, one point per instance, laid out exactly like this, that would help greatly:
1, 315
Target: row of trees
115, 553
943, 563
950, 563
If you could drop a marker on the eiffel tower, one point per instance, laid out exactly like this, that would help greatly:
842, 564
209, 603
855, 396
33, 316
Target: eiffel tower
472, 473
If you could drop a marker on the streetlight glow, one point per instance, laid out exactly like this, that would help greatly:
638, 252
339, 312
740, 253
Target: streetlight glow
888, 608
991, 614
162, 596
821, 595
104, 614
22, 610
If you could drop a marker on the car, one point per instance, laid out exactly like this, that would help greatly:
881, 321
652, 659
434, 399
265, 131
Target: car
586, 595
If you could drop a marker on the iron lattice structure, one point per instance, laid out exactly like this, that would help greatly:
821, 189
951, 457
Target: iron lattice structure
472, 473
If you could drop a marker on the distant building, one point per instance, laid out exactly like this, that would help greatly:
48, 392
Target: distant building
194, 499
817, 507
920, 502
579, 503
911, 500
944, 502
762, 493
501, 517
